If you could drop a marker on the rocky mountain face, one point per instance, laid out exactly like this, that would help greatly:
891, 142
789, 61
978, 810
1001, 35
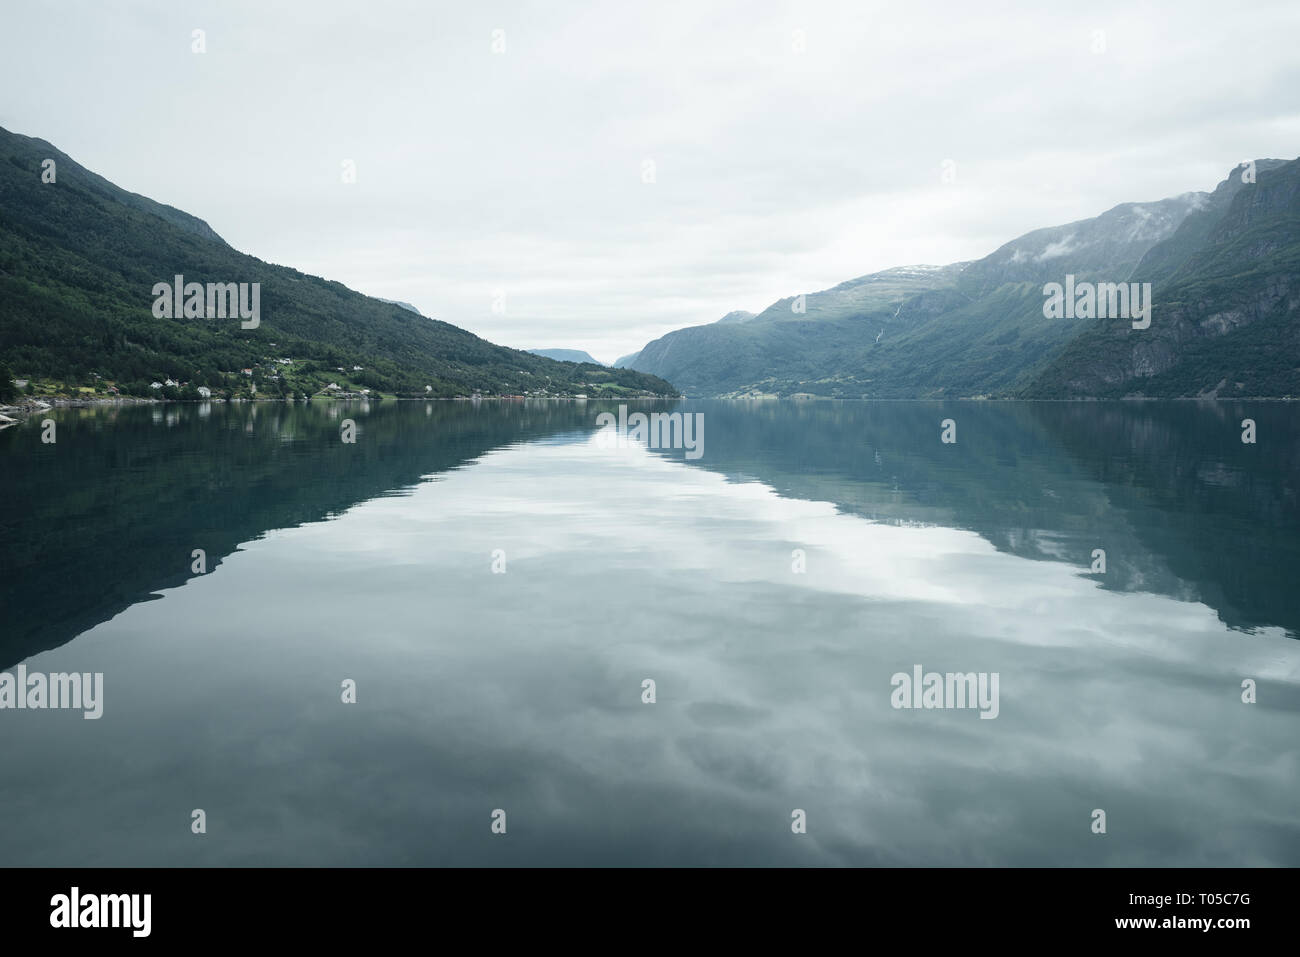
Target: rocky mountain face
1226, 305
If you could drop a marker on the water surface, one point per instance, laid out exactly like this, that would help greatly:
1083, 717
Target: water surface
522, 690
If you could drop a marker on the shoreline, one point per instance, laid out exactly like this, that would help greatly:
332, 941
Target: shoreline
33, 405
12, 414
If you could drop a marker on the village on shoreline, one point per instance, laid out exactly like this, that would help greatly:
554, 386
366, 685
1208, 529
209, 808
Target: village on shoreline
13, 413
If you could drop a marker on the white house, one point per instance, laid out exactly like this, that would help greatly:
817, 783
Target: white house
205, 392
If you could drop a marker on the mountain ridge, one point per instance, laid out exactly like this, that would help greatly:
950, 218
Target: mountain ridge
969, 329
1226, 312
79, 257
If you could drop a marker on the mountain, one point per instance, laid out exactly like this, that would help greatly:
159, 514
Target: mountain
79, 260
624, 362
566, 355
962, 330
398, 302
791, 343
1225, 318
737, 315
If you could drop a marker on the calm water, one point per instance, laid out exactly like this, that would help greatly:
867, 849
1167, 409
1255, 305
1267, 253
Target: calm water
522, 690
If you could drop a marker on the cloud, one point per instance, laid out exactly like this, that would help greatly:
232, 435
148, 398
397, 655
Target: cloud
1057, 249
776, 169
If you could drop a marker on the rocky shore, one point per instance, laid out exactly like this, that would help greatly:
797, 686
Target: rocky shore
17, 412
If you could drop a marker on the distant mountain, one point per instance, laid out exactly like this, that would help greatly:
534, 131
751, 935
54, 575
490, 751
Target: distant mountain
566, 355
79, 259
1226, 314
966, 329
735, 316
398, 302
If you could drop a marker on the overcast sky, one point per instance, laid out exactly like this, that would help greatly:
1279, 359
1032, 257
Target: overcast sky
795, 145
